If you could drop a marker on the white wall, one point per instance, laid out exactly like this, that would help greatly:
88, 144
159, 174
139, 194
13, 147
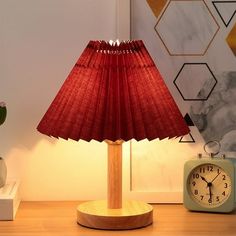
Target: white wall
39, 43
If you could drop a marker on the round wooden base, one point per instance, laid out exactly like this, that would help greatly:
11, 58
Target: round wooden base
132, 215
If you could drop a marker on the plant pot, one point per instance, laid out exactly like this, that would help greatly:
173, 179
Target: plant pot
3, 172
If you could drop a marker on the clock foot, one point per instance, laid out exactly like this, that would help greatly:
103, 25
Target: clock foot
132, 215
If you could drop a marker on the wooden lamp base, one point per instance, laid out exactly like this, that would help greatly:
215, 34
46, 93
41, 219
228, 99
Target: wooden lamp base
113, 213
97, 215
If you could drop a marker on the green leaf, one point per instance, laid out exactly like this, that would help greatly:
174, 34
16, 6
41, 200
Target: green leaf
3, 114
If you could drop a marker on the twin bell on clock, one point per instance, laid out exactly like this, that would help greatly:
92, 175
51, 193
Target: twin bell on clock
209, 182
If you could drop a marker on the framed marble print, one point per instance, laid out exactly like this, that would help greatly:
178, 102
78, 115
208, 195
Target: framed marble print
193, 44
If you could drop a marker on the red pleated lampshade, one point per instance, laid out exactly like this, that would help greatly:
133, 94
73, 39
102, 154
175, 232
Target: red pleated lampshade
114, 92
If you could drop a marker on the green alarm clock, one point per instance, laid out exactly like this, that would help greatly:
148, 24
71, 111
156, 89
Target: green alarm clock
209, 183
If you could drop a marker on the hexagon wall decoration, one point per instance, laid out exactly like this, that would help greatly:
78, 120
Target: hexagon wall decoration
190, 80
186, 28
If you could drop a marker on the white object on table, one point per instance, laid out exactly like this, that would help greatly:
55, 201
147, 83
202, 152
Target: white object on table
9, 200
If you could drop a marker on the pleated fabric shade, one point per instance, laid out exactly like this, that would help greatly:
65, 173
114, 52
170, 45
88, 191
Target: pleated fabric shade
114, 92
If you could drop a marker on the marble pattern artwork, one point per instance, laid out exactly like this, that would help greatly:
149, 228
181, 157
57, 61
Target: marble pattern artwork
186, 27
191, 78
154, 165
226, 10
216, 117
186, 41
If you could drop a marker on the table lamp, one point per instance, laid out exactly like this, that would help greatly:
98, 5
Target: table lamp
114, 93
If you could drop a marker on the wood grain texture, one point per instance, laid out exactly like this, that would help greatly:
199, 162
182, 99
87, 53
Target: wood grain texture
114, 188
59, 219
132, 215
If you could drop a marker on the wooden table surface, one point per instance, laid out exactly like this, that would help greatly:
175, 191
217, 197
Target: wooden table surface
59, 218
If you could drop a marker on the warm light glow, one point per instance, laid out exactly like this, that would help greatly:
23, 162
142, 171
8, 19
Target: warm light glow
157, 166
111, 42
67, 170
60, 170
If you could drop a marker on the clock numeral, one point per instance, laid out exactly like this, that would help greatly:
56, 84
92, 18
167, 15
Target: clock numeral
202, 170
210, 168
209, 186
195, 176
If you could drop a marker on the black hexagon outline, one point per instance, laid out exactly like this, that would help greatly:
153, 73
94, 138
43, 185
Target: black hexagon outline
186, 54
195, 99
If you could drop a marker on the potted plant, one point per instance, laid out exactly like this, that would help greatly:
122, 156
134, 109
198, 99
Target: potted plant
3, 168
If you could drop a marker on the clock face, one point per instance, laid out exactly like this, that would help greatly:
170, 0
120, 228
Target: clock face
209, 185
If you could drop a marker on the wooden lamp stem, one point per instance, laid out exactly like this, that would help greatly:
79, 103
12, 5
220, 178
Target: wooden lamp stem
114, 174
112, 214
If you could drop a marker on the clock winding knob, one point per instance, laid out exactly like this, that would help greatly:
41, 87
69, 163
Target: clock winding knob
212, 145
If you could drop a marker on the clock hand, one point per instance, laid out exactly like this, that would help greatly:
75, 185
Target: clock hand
204, 180
215, 177
210, 199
